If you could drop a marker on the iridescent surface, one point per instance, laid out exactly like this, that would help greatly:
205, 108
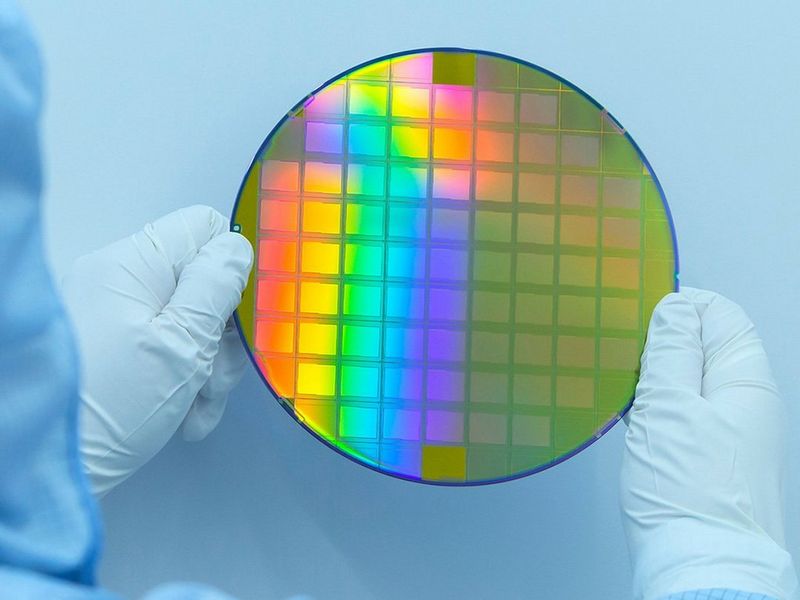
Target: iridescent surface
457, 257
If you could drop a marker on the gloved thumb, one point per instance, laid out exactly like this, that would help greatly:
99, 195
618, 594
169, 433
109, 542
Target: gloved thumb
209, 289
179, 235
672, 362
190, 326
227, 370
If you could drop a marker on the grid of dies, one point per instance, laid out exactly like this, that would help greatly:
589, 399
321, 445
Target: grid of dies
432, 244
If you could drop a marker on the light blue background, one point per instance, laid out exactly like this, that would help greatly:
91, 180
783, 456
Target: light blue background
153, 106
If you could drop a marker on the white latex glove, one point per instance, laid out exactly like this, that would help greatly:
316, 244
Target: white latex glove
150, 314
701, 484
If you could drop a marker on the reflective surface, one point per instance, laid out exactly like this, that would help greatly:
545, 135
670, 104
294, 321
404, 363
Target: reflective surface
457, 256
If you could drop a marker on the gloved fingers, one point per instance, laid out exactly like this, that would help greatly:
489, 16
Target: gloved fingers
140, 272
229, 364
738, 382
178, 236
672, 362
732, 349
739, 386
663, 420
100, 284
175, 350
209, 289
203, 417
674, 452
159, 253
227, 369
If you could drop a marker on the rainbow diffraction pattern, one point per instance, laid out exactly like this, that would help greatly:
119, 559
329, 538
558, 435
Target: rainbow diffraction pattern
457, 254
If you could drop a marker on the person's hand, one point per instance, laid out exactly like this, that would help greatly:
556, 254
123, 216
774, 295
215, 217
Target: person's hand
701, 478
152, 314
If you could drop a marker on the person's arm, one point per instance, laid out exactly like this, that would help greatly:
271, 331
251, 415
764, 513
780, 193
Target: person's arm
48, 523
49, 527
701, 483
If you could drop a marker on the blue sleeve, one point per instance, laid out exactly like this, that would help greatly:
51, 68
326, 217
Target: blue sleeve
49, 529
717, 594
48, 521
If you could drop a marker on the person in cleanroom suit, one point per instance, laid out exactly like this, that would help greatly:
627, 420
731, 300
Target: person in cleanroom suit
701, 477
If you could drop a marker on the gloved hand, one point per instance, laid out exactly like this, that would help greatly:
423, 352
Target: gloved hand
701, 483
152, 314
